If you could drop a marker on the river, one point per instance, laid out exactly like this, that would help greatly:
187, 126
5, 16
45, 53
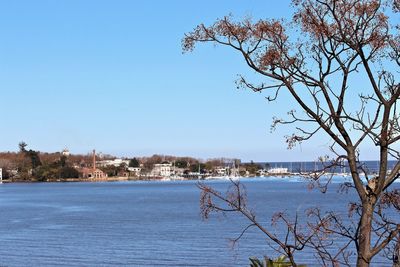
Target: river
140, 223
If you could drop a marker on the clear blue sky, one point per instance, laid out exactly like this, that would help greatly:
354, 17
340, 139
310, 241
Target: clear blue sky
111, 75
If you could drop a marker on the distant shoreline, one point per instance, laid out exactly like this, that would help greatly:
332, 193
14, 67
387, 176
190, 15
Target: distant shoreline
72, 180
122, 178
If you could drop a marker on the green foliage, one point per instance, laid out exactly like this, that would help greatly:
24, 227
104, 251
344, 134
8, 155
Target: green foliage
63, 161
32, 155
195, 167
34, 158
134, 163
6, 174
251, 167
29, 160
31, 166
45, 172
281, 261
50, 172
22, 145
242, 172
254, 262
68, 172
181, 163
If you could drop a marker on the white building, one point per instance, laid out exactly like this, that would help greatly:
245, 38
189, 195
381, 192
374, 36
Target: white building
113, 162
163, 169
65, 152
222, 171
135, 170
278, 171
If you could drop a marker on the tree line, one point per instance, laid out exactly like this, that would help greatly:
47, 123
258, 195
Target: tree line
33, 165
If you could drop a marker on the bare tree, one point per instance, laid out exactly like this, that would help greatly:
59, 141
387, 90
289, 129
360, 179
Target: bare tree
339, 61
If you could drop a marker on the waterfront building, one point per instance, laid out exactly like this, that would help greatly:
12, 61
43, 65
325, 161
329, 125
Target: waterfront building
113, 162
93, 173
135, 170
278, 171
163, 169
222, 171
90, 173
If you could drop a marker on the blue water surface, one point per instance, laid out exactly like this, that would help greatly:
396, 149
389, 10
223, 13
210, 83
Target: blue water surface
142, 223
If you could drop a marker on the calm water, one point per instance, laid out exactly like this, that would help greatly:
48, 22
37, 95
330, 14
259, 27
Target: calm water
371, 166
137, 223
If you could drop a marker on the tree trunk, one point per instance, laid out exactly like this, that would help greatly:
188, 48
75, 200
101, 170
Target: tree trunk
364, 236
396, 255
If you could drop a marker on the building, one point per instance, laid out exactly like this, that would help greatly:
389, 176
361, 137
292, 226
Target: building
90, 173
278, 171
93, 173
163, 170
222, 171
65, 152
113, 162
135, 170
